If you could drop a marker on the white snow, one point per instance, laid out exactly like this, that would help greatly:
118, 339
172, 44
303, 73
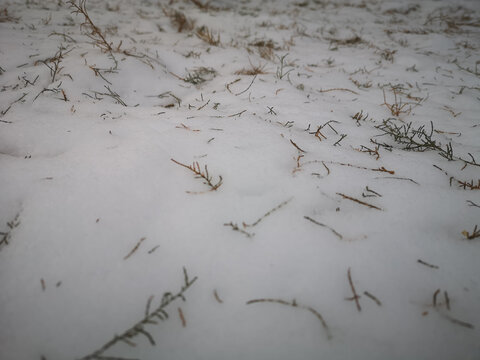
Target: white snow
85, 180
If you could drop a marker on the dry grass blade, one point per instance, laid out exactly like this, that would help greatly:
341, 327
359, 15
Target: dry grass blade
20, 99
182, 317
355, 296
205, 34
203, 6
296, 146
338, 89
374, 298
471, 203
326, 226
359, 202
427, 264
267, 214
458, 322
179, 20
295, 305
253, 70
215, 294
248, 87
398, 107
134, 248
435, 294
5, 17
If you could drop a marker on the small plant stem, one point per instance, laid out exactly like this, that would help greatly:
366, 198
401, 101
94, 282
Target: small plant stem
355, 296
326, 226
134, 248
427, 264
367, 294
359, 201
139, 328
195, 168
295, 305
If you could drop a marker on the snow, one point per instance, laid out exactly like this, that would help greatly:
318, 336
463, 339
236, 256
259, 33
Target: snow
96, 217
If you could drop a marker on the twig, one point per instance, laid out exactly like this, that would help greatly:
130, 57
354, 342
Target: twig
235, 227
471, 203
267, 214
201, 107
338, 89
397, 178
134, 248
203, 6
372, 152
447, 300
355, 296
295, 305
215, 294
182, 317
3, 112
5, 236
342, 136
153, 249
92, 31
237, 114
435, 294
378, 302
65, 36
359, 201
475, 233
326, 167
231, 83
195, 168
458, 322
113, 95
139, 328
368, 190
427, 264
297, 147
328, 227
419, 139
380, 169
147, 307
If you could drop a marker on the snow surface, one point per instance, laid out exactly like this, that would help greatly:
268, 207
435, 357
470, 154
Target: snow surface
90, 179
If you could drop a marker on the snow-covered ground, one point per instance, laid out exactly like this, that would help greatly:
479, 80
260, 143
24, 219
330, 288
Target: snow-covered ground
338, 216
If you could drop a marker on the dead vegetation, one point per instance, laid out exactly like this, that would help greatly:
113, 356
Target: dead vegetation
473, 235
6, 235
242, 230
6, 17
252, 70
90, 29
404, 135
149, 318
397, 107
99, 37
179, 20
294, 304
200, 75
208, 36
452, 19
201, 174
